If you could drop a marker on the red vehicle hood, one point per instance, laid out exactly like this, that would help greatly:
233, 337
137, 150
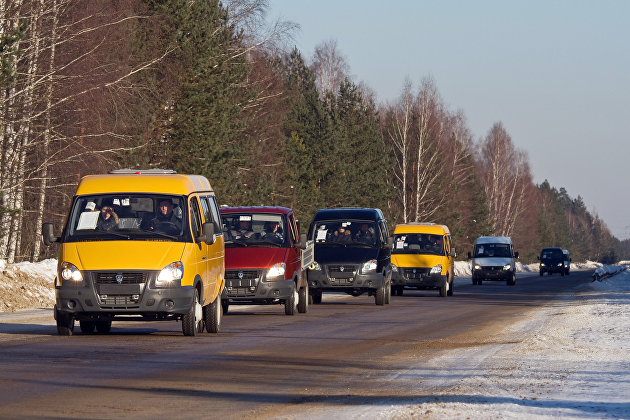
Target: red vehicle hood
254, 257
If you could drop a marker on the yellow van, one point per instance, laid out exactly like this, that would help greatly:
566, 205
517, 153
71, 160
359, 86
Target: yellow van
140, 245
423, 258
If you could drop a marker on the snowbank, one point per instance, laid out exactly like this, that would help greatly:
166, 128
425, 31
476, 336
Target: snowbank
464, 268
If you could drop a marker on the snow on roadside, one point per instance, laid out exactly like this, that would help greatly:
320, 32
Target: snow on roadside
464, 268
27, 285
576, 366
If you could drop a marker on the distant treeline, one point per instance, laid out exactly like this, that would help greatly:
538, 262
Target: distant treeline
209, 88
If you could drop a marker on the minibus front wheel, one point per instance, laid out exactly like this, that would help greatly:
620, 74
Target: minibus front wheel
65, 323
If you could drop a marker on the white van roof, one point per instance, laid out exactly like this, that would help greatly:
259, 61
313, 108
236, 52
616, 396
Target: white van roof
493, 240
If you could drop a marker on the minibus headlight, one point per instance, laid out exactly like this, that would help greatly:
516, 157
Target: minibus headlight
477, 267
277, 270
69, 272
369, 266
436, 269
507, 267
560, 264
394, 268
170, 275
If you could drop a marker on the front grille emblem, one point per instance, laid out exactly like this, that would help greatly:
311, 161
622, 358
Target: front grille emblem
414, 271
119, 278
240, 275
341, 268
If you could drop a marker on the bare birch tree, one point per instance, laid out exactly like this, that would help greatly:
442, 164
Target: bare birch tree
506, 175
329, 66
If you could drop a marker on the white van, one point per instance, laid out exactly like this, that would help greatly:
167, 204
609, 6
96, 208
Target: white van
493, 258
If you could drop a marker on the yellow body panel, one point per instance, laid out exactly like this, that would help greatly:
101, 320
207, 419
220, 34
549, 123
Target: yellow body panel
419, 260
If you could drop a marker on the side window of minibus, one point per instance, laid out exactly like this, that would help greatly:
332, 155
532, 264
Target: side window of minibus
215, 215
206, 209
291, 222
195, 217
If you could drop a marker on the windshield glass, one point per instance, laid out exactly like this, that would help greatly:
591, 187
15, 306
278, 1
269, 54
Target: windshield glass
492, 250
127, 216
255, 229
418, 243
551, 254
353, 233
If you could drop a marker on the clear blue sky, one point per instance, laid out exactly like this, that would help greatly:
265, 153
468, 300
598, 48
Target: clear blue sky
555, 72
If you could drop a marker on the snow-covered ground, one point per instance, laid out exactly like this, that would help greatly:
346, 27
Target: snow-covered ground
568, 360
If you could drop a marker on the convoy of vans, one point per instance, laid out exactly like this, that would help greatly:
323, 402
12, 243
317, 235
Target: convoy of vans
154, 245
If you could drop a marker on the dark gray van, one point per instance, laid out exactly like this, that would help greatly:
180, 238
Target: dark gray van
352, 254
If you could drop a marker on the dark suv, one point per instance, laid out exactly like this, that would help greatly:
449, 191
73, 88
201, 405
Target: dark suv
552, 260
352, 254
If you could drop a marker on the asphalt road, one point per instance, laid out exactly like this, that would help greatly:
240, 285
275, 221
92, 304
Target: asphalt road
346, 352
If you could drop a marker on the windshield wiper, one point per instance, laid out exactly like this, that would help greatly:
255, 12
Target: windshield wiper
165, 235
236, 242
333, 244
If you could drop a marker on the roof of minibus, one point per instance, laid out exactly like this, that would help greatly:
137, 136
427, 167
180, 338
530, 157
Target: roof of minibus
256, 209
178, 184
431, 228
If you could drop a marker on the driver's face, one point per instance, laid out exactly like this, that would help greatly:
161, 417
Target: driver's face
166, 207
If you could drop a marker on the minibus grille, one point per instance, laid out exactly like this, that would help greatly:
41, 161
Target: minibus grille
242, 283
127, 278
341, 271
415, 273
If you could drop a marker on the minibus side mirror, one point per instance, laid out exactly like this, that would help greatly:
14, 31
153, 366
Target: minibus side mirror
208, 234
390, 242
469, 256
47, 234
454, 252
538, 257
516, 255
302, 242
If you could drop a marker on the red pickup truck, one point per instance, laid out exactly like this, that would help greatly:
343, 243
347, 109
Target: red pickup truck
263, 258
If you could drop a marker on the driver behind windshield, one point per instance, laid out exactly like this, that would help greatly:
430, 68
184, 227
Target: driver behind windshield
165, 220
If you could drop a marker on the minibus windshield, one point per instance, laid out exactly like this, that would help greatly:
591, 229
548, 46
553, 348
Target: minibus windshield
346, 233
418, 243
127, 217
255, 230
492, 250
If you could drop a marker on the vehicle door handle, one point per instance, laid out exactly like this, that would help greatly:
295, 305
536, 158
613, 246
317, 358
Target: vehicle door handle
204, 258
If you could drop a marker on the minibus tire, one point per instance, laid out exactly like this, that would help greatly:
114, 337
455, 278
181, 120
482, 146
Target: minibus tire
65, 324
450, 288
212, 315
379, 296
290, 303
190, 323
388, 293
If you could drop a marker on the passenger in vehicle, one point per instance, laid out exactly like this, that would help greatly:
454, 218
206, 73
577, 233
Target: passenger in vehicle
108, 219
365, 235
342, 235
243, 231
272, 232
165, 221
